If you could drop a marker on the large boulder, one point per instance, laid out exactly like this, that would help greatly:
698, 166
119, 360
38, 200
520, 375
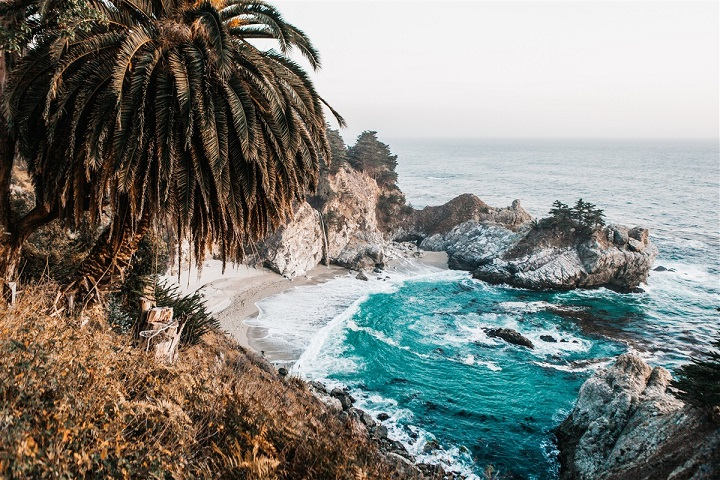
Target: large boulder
626, 425
338, 224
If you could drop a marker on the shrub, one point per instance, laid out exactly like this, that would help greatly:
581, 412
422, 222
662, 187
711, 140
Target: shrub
698, 382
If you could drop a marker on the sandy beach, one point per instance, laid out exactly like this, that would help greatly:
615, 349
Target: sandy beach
232, 296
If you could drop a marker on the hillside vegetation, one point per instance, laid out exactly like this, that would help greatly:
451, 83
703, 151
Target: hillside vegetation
78, 400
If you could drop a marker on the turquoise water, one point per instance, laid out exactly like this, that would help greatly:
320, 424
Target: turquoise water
411, 342
494, 400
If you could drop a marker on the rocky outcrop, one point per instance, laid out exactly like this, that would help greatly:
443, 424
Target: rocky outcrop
340, 402
545, 259
585, 261
441, 219
298, 246
338, 225
472, 243
626, 425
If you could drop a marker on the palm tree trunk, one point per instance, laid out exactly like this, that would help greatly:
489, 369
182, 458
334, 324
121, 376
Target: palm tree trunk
9, 251
104, 267
13, 235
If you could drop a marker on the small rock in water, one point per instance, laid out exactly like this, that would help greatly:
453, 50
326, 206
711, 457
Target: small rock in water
361, 276
377, 270
510, 336
430, 446
282, 371
383, 416
548, 338
660, 268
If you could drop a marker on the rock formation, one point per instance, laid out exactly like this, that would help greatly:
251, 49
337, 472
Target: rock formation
626, 425
541, 259
467, 207
510, 336
340, 225
298, 246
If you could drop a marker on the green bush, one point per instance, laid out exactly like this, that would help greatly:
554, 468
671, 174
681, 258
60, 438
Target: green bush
189, 310
698, 382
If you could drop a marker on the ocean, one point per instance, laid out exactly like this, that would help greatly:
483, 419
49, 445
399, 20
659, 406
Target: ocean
410, 342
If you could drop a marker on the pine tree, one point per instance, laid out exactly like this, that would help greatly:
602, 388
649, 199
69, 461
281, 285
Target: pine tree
338, 152
373, 157
561, 213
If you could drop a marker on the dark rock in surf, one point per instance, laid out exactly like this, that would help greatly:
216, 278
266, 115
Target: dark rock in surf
660, 268
346, 400
548, 338
510, 336
361, 276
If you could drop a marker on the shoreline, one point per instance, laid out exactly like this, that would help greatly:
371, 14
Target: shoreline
233, 300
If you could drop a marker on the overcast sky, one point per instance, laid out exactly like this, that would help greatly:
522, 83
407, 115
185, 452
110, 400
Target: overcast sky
517, 69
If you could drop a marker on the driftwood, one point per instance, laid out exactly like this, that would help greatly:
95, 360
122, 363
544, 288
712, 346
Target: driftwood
10, 292
147, 302
163, 335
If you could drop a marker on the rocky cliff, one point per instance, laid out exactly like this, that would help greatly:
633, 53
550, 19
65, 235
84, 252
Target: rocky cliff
337, 225
626, 425
351, 222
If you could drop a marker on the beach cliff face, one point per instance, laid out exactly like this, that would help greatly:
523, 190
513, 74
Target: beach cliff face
337, 225
626, 425
351, 222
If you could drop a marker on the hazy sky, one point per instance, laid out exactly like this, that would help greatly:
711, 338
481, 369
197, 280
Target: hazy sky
517, 69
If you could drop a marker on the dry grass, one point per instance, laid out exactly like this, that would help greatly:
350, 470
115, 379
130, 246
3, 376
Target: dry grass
81, 401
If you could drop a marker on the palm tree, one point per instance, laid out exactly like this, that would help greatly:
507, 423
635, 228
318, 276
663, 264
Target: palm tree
165, 112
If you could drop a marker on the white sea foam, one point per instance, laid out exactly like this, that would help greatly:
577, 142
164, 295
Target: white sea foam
525, 307
375, 334
399, 425
489, 365
574, 368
